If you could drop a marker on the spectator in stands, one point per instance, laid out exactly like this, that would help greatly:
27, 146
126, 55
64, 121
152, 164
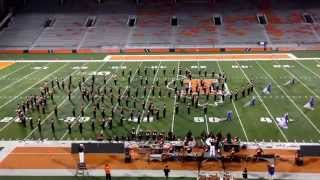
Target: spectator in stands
107, 170
166, 171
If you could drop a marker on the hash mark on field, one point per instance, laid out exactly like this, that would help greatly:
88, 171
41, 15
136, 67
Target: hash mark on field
265, 106
290, 99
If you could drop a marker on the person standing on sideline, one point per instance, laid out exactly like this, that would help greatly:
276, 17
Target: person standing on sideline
271, 171
166, 171
107, 170
245, 173
81, 150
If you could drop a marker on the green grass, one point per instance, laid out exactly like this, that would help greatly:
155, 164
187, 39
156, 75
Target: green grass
16, 86
85, 178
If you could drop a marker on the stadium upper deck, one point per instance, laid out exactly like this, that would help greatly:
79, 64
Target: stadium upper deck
285, 27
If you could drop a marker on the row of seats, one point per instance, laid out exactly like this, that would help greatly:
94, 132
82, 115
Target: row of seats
153, 29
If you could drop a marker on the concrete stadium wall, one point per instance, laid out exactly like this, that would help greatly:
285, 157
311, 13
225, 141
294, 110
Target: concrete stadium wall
155, 50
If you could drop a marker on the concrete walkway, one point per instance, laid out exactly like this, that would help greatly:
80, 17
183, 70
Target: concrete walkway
150, 173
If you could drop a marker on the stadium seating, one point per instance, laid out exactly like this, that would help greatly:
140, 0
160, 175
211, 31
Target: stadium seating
239, 29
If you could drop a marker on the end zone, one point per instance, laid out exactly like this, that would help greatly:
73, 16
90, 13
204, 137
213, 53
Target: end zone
202, 57
4, 65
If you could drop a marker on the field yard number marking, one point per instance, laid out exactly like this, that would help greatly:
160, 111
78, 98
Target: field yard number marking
6, 119
210, 119
40, 67
156, 67
15, 119
100, 73
80, 67
265, 119
268, 120
283, 66
197, 67
241, 66
119, 67
318, 65
72, 119
145, 119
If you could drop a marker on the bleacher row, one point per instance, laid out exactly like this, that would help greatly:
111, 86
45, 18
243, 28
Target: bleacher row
152, 32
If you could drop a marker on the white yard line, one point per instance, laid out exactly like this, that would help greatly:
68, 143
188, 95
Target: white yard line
5, 76
290, 99
206, 120
308, 69
52, 112
301, 82
264, 105
236, 110
125, 90
154, 79
20, 79
5, 126
73, 123
175, 102
46, 77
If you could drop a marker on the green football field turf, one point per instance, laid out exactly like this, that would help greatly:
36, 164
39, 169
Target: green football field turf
23, 79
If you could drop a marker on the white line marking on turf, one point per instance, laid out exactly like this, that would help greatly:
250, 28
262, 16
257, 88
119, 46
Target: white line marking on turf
303, 84
154, 79
235, 108
265, 106
206, 120
290, 99
292, 56
85, 108
19, 79
15, 97
5, 76
175, 101
125, 90
52, 112
307, 68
